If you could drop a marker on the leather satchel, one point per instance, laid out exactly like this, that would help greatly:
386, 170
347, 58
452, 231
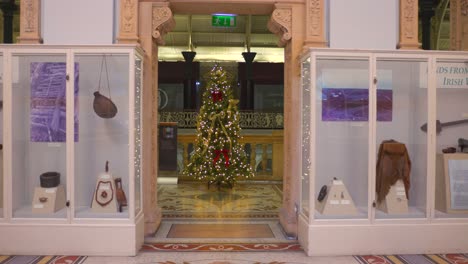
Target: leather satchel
393, 164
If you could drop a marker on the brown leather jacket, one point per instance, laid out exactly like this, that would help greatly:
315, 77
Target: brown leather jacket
393, 163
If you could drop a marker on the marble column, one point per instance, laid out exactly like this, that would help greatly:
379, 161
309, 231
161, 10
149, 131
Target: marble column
287, 21
128, 22
409, 25
151, 35
30, 17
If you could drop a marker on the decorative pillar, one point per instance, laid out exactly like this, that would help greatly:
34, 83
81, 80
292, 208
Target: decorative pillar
287, 21
128, 30
315, 24
30, 27
151, 34
409, 25
459, 24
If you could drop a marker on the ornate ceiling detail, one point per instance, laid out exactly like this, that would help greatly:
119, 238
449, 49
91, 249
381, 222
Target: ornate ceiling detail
280, 24
129, 15
29, 22
315, 16
163, 22
409, 12
30, 16
464, 7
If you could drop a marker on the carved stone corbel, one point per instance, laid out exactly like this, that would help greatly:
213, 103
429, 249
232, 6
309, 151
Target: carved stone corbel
409, 25
280, 23
128, 30
30, 11
163, 22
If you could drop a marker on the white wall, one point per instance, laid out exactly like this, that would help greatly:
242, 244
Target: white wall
78, 22
363, 24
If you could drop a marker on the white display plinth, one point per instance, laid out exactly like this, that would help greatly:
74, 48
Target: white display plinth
337, 201
105, 190
48, 200
395, 202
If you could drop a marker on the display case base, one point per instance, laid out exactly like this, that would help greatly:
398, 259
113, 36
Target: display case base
380, 237
72, 239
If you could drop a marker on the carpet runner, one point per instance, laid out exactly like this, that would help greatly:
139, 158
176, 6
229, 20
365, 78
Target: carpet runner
42, 259
414, 259
234, 247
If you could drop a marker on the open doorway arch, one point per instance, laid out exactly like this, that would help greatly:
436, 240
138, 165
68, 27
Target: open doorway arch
287, 21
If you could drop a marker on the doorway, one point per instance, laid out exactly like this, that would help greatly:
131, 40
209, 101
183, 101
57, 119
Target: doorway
259, 85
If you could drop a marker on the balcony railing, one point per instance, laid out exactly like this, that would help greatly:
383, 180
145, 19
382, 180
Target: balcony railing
248, 120
264, 148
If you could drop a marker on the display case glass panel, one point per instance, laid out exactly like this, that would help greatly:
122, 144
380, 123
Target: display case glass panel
2, 192
401, 99
451, 197
38, 135
306, 144
102, 120
138, 133
342, 137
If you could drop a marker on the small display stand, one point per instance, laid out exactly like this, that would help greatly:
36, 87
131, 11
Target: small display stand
395, 202
337, 201
48, 200
105, 197
451, 183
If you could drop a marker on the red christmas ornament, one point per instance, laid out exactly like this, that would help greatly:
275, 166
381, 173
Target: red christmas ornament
225, 153
216, 96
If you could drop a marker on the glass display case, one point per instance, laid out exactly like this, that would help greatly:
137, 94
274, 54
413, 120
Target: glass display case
402, 104
342, 127
72, 137
384, 151
452, 139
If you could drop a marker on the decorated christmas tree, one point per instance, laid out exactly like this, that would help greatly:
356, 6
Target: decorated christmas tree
218, 157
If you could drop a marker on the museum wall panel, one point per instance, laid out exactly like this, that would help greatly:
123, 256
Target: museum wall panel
77, 22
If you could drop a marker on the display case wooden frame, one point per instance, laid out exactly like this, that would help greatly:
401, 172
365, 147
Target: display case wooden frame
373, 235
38, 234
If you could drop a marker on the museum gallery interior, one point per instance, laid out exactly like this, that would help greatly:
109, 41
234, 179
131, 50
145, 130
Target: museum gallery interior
329, 127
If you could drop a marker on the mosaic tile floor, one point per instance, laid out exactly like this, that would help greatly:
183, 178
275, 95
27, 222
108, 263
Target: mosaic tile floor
195, 200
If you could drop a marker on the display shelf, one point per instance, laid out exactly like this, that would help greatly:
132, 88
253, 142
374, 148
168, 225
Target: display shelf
413, 212
439, 214
26, 212
361, 214
75, 110
86, 212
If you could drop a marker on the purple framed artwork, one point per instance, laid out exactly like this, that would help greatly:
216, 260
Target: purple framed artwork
352, 104
48, 102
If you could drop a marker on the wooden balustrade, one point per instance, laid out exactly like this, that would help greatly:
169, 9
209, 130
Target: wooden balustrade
266, 154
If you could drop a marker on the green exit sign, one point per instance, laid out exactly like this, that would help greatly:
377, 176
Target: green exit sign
223, 21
